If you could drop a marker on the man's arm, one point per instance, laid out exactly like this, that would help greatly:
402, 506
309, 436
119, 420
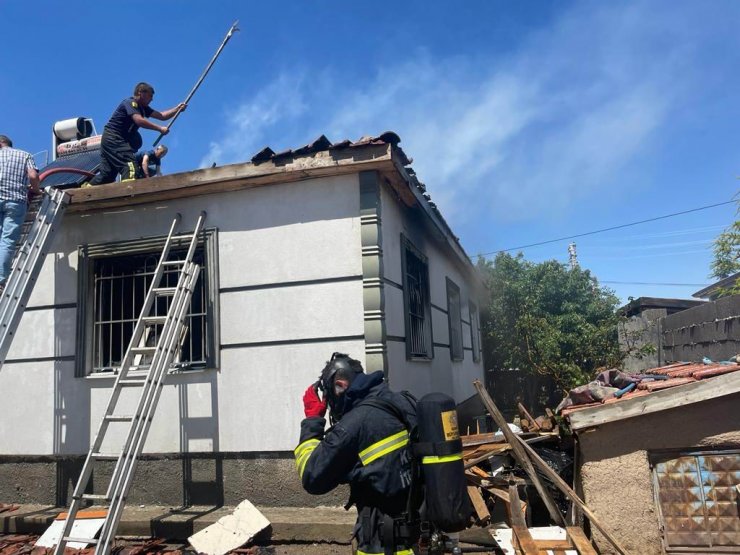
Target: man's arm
145, 165
323, 462
33, 175
167, 114
141, 121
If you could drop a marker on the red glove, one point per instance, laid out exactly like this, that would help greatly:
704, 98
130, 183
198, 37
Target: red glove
313, 406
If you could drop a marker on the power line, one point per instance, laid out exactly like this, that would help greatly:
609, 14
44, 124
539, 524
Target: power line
607, 229
653, 283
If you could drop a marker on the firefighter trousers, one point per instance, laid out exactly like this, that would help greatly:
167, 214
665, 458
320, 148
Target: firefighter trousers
117, 157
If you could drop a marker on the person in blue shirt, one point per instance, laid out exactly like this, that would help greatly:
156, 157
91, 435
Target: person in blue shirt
149, 163
121, 138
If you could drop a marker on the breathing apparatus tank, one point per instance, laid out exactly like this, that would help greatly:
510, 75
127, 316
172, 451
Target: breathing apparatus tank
439, 449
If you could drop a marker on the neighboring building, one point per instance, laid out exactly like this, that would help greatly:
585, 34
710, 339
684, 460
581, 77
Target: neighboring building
331, 247
717, 289
643, 326
661, 468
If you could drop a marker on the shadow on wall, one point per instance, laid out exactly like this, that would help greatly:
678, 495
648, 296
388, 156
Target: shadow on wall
203, 478
71, 435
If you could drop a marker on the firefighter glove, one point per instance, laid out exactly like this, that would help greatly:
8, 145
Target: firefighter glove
313, 406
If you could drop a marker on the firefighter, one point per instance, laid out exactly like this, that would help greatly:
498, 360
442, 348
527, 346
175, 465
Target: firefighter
121, 137
367, 447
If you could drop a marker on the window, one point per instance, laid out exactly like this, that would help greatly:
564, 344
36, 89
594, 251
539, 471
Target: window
114, 280
474, 330
417, 305
697, 500
455, 321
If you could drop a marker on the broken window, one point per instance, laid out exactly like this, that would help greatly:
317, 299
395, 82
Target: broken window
454, 320
416, 302
697, 500
114, 282
474, 330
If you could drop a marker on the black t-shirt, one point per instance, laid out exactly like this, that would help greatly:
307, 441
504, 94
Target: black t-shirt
122, 121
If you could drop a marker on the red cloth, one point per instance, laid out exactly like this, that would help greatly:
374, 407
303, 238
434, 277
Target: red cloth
313, 406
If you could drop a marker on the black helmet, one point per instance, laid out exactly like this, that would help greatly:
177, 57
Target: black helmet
340, 366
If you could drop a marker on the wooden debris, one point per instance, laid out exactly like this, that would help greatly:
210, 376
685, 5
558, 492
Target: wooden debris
481, 510
566, 489
531, 420
519, 453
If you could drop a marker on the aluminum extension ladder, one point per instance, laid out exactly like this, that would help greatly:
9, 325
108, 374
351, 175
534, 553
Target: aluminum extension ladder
44, 214
168, 342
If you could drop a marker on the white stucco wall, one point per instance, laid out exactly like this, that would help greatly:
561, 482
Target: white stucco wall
275, 337
441, 373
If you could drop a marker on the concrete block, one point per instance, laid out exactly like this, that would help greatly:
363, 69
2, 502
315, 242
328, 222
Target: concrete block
231, 531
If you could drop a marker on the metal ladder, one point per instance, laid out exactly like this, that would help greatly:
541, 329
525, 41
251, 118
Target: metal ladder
37, 232
167, 330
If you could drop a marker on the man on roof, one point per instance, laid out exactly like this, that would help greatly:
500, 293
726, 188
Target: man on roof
18, 177
121, 137
149, 163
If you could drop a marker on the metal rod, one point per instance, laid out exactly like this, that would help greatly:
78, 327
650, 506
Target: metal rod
202, 77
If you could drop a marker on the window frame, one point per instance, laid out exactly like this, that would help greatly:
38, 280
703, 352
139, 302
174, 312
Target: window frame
88, 254
475, 334
457, 352
408, 247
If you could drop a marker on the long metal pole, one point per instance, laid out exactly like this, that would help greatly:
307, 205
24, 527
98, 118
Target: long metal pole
202, 77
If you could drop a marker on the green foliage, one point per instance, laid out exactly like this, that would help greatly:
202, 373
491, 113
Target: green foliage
726, 260
549, 319
727, 252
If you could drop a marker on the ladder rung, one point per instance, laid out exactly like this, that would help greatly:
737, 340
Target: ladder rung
80, 540
143, 350
95, 497
173, 262
155, 319
119, 418
132, 382
105, 456
184, 236
162, 291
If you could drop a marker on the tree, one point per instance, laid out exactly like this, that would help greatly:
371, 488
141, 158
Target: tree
549, 319
727, 252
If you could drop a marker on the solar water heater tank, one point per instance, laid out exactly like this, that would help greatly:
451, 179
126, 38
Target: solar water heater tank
73, 129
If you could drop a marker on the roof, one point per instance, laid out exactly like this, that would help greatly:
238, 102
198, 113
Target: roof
637, 306
711, 290
319, 158
688, 382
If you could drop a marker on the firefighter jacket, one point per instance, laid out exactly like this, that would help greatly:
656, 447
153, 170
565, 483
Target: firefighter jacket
369, 450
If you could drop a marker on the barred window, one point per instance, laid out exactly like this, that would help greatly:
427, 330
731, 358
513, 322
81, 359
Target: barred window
416, 302
454, 320
112, 293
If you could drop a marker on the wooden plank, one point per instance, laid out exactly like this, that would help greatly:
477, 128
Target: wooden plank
481, 439
519, 453
481, 510
523, 541
660, 400
566, 489
485, 456
580, 541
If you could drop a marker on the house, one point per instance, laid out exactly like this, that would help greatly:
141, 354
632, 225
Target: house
718, 288
661, 466
329, 247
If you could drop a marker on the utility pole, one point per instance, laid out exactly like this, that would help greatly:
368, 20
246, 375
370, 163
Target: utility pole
572, 256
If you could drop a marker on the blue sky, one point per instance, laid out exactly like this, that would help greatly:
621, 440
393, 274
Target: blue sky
527, 120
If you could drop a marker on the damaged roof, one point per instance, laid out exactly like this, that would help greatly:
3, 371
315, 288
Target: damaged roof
319, 158
687, 382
